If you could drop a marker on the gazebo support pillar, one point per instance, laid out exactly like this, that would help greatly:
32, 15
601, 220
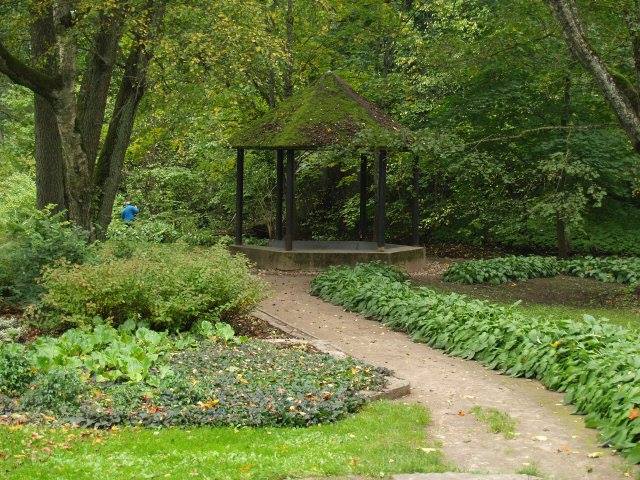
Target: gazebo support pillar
382, 186
415, 195
362, 224
239, 194
289, 235
279, 192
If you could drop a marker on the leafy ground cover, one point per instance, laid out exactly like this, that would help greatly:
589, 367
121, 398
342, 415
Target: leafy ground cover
513, 268
503, 269
128, 376
382, 439
595, 363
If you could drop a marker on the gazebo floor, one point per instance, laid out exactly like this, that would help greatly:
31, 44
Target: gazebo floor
315, 255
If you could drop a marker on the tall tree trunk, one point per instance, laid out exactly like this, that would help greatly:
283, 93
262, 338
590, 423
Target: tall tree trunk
50, 188
108, 171
109, 165
562, 236
95, 84
76, 167
566, 12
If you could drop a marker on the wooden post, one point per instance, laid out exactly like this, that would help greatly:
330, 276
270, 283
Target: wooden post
382, 184
239, 194
415, 195
289, 234
363, 198
279, 191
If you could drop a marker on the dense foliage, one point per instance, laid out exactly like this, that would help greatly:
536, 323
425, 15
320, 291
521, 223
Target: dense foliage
30, 240
593, 362
503, 269
168, 287
510, 152
136, 376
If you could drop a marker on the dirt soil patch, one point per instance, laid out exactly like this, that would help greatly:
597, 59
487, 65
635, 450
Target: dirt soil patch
250, 326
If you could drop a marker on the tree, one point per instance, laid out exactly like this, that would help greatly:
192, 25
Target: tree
621, 93
75, 170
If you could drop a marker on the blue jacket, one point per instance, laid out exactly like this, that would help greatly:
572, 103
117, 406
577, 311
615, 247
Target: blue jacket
129, 213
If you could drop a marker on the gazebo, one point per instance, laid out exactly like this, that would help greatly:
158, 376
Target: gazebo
326, 114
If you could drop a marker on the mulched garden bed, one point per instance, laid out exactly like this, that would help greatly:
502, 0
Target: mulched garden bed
253, 327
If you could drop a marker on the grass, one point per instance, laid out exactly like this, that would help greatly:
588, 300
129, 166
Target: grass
556, 298
497, 421
531, 470
625, 317
382, 439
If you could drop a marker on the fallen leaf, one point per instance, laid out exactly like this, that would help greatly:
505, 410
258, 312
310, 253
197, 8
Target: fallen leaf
429, 450
595, 455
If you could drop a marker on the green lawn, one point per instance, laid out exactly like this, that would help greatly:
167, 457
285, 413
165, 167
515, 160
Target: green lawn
626, 317
556, 297
382, 439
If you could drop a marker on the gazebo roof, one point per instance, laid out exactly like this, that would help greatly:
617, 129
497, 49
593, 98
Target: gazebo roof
329, 112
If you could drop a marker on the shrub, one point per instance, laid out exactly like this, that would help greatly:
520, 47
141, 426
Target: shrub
595, 363
169, 287
15, 369
501, 270
28, 245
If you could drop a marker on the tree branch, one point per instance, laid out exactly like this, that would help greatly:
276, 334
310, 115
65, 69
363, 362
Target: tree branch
538, 130
22, 74
566, 12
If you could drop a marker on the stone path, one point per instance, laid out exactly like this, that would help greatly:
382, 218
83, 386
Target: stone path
549, 437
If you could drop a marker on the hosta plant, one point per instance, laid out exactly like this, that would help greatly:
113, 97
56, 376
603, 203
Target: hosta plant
595, 363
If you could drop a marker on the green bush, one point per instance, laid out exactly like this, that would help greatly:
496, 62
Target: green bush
595, 363
501, 270
16, 369
28, 245
168, 287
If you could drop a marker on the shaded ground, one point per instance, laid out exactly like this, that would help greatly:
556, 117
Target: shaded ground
561, 290
250, 326
561, 296
547, 435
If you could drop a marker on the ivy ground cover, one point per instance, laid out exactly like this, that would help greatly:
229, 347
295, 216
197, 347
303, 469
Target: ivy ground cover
382, 439
125, 376
596, 364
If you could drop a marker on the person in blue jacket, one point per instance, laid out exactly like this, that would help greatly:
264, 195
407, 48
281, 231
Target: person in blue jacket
129, 212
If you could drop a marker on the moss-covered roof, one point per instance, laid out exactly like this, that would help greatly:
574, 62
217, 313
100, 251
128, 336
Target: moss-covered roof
326, 113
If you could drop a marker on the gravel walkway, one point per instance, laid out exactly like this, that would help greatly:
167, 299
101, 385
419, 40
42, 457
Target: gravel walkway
548, 436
